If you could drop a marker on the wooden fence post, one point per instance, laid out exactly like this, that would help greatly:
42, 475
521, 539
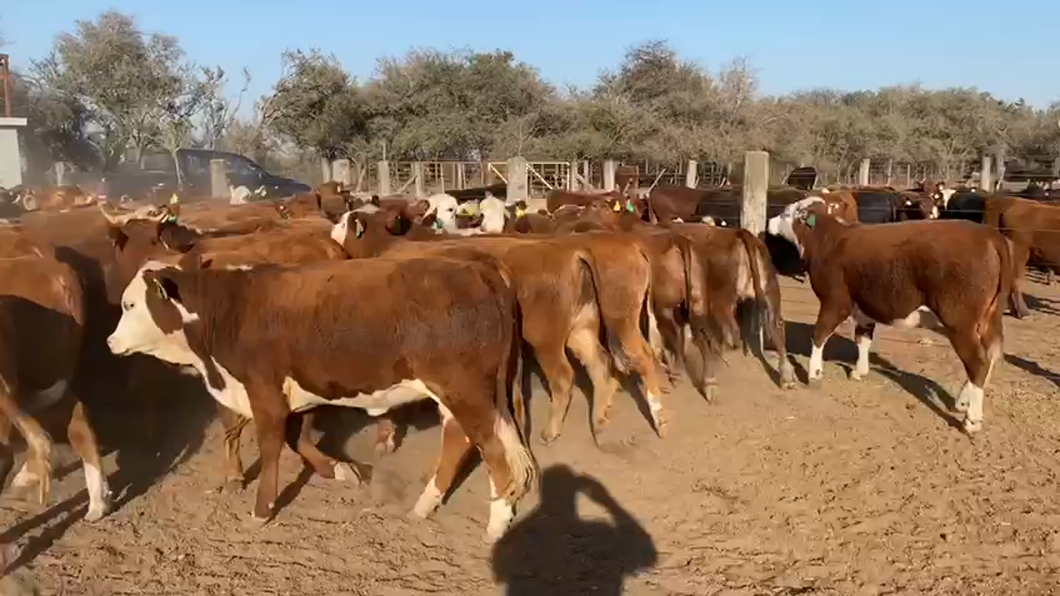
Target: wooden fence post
609, 174
986, 177
692, 174
518, 185
420, 183
382, 174
755, 189
218, 179
341, 170
863, 172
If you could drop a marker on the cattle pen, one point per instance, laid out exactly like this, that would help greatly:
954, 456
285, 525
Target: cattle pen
854, 487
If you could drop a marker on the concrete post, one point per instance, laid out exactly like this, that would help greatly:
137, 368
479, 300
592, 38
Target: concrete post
609, 174
420, 184
692, 174
986, 176
572, 173
218, 179
518, 185
10, 154
755, 189
60, 173
863, 172
325, 170
382, 173
340, 168
587, 172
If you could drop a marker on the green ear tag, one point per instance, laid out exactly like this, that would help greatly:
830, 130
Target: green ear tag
811, 219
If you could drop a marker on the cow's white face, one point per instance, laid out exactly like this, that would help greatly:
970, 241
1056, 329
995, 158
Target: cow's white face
340, 232
783, 225
139, 333
445, 207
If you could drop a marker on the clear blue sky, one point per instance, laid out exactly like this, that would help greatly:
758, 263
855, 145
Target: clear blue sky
1011, 49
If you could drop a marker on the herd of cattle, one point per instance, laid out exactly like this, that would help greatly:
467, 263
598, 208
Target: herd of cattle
334, 299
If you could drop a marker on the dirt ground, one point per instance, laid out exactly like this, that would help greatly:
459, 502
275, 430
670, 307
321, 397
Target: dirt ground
857, 488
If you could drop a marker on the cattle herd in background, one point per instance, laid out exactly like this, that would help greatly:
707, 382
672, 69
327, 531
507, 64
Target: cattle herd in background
334, 298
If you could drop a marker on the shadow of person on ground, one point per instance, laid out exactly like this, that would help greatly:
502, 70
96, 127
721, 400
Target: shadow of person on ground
552, 551
1032, 367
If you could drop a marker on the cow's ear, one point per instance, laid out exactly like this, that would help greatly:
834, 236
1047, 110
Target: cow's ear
117, 236
192, 258
163, 285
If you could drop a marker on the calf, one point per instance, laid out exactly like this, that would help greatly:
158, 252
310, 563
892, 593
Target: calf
568, 289
904, 275
271, 342
1034, 229
42, 322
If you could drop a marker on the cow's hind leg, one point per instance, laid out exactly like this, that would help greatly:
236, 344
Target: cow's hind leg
560, 376
512, 469
455, 448
585, 344
83, 441
978, 364
863, 334
299, 439
386, 429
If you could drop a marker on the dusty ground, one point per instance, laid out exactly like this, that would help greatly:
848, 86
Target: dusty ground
853, 489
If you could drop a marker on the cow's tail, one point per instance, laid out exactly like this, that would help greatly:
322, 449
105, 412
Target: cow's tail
611, 340
510, 424
990, 328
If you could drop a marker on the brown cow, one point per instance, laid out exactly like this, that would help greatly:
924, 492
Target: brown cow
42, 319
559, 197
271, 342
1034, 229
906, 274
733, 266
567, 288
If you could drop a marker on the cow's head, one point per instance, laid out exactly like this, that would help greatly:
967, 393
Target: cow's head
445, 208
154, 315
797, 220
917, 206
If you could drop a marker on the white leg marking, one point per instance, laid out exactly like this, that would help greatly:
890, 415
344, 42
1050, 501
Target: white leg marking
25, 477
501, 515
344, 472
428, 501
98, 493
862, 367
972, 398
816, 371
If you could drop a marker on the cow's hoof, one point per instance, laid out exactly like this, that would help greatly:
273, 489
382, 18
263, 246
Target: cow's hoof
972, 426
385, 447
344, 472
710, 393
814, 383
95, 514
231, 486
857, 376
548, 436
600, 432
660, 426
254, 522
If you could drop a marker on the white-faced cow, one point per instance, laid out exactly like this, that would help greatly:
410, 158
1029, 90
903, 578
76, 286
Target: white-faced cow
905, 275
271, 342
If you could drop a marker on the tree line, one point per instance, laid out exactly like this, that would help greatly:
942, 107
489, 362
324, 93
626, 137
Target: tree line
108, 90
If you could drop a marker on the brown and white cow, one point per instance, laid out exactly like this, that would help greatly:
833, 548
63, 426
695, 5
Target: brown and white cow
271, 342
906, 275
568, 289
42, 319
